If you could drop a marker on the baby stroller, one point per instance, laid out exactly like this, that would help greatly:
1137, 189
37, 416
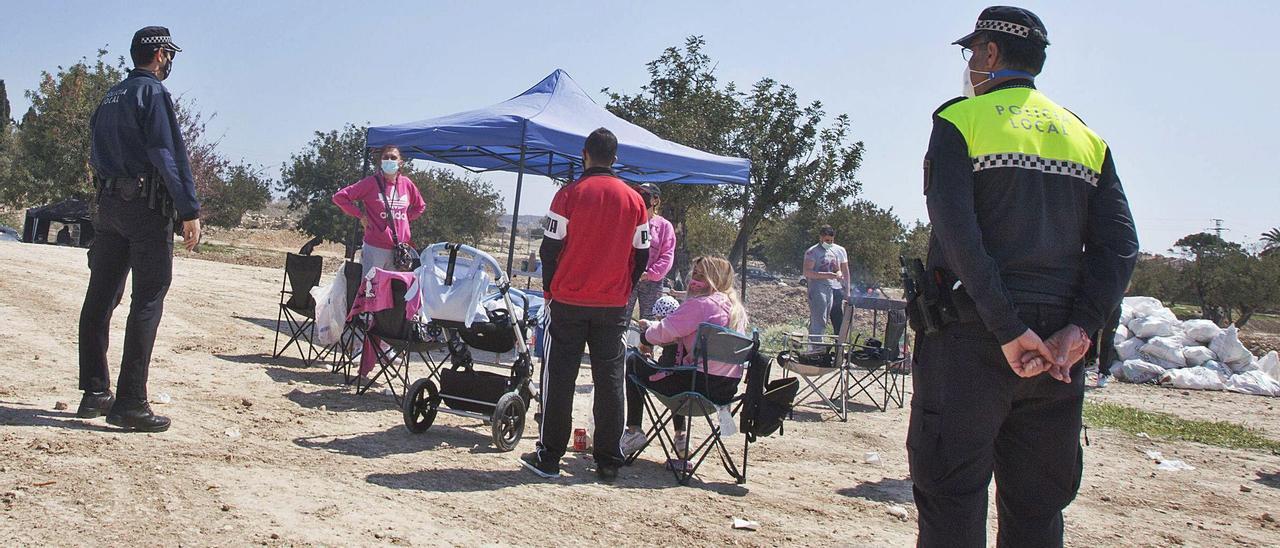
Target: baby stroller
455, 280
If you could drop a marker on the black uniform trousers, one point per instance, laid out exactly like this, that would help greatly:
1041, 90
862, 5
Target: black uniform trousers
1103, 349
129, 236
570, 329
971, 416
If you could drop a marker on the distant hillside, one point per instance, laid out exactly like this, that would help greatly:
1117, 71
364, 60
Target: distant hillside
526, 221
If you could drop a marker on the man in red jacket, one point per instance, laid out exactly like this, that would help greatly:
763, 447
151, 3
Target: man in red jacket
594, 248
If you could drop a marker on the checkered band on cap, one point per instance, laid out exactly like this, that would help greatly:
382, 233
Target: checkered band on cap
153, 40
1003, 26
1031, 161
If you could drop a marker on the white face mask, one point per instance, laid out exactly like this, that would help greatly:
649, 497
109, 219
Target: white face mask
389, 167
966, 83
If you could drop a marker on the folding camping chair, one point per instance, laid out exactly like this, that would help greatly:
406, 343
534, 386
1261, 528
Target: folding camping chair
297, 307
713, 343
819, 360
402, 338
877, 368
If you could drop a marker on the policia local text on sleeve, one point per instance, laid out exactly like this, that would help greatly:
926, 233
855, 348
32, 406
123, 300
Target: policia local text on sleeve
144, 185
1032, 246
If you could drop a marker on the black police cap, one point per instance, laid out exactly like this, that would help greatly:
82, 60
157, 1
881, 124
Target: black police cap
1010, 20
154, 37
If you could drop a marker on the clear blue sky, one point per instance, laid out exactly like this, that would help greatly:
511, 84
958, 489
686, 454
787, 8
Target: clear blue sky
1184, 92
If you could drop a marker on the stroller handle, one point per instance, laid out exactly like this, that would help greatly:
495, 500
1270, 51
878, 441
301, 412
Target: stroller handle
434, 251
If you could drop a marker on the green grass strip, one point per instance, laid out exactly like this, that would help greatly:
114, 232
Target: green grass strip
1169, 427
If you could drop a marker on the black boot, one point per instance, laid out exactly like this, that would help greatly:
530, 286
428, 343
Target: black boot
137, 417
95, 404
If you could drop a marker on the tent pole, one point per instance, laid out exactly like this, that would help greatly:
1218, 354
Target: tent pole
515, 209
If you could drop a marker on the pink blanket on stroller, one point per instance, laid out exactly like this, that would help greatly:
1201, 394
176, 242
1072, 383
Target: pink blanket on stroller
374, 296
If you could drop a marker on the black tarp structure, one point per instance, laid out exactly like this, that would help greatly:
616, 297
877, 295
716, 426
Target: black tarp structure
70, 212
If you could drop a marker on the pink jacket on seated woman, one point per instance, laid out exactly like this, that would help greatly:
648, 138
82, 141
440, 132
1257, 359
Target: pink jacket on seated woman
681, 327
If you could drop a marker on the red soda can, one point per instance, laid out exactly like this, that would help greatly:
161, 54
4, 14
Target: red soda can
580, 439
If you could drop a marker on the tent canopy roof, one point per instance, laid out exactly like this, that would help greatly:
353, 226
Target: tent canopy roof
552, 120
68, 211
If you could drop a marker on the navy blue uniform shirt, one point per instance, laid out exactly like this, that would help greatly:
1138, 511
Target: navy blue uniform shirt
135, 132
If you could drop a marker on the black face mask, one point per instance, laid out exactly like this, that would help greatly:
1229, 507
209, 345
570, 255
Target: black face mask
166, 68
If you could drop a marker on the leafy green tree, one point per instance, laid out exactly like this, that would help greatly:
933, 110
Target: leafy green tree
797, 159
709, 232
1208, 254
1270, 239
6, 137
1160, 277
915, 242
683, 102
872, 236
330, 161
460, 209
232, 192
51, 156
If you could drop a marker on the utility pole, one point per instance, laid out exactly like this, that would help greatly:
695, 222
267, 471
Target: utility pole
1217, 227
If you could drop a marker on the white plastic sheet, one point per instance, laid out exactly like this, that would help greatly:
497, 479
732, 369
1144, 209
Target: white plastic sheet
1147, 327
1254, 382
1197, 355
1230, 351
1165, 351
1128, 350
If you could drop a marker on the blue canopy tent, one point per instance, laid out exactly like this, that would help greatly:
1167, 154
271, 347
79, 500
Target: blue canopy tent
541, 132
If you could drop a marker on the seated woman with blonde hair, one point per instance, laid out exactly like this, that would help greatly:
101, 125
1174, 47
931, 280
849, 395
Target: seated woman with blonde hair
713, 299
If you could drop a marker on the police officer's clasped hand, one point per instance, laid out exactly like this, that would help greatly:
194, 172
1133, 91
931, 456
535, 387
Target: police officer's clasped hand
191, 234
1069, 345
1027, 355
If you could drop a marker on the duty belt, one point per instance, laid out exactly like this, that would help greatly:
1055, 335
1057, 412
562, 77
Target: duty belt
149, 187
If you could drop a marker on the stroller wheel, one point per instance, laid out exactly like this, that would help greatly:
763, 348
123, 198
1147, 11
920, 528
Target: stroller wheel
508, 421
420, 405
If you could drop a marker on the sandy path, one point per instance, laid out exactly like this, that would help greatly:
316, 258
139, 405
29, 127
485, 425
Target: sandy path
350, 474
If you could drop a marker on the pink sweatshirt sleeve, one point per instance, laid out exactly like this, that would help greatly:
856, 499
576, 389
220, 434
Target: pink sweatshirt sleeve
346, 199
681, 323
416, 204
664, 255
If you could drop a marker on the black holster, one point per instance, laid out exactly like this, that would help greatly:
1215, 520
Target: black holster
931, 305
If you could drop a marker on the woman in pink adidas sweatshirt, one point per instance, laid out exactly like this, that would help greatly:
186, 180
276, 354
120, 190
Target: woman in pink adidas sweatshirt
712, 299
384, 202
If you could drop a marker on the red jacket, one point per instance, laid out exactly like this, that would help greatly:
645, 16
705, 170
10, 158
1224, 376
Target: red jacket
596, 228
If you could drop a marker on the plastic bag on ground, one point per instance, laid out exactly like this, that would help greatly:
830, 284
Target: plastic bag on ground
1147, 307
1166, 351
1270, 364
1194, 378
1137, 371
1148, 327
1128, 350
1197, 355
1230, 351
1201, 331
331, 309
1254, 382
1122, 334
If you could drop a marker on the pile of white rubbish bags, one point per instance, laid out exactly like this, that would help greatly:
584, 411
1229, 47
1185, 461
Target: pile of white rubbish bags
1152, 346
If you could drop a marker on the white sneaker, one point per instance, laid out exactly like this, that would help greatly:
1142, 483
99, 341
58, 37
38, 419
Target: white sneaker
632, 442
1103, 380
682, 445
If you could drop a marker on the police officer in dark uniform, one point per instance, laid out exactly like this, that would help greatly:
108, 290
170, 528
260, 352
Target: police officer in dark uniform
143, 177
1032, 246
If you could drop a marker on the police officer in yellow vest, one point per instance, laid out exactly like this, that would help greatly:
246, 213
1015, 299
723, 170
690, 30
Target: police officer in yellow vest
1033, 244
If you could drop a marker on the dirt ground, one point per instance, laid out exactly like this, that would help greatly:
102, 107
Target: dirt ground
267, 452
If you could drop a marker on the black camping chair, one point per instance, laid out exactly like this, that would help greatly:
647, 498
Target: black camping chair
877, 367
402, 338
819, 361
713, 343
297, 307
345, 351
